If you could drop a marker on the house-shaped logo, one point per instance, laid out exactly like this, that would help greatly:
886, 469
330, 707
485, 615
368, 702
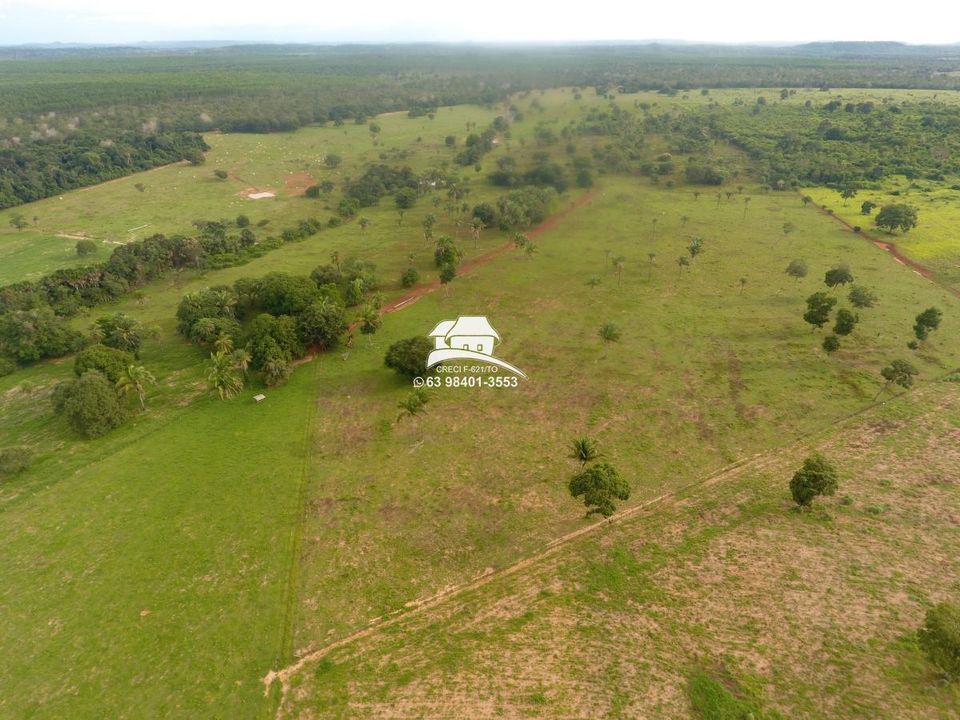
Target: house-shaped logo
469, 337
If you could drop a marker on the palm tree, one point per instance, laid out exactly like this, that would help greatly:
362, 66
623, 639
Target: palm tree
240, 359
223, 344
695, 247
413, 404
222, 375
683, 261
519, 240
618, 263
584, 449
743, 284
746, 204
364, 223
653, 261
135, 379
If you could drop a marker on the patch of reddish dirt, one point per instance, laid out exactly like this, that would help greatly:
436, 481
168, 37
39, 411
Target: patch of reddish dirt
298, 182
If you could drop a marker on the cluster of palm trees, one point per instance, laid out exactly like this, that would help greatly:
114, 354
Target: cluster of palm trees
227, 368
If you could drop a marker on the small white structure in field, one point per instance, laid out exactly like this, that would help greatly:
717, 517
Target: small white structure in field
260, 195
260, 398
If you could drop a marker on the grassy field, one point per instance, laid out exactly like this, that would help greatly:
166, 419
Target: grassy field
205, 543
933, 243
809, 615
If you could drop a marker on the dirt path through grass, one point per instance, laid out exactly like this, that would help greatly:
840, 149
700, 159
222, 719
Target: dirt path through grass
758, 461
892, 248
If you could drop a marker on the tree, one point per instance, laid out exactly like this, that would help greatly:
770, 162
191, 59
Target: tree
600, 486
410, 277
448, 271
370, 320
898, 372
683, 261
743, 284
838, 275
609, 332
816, 477
896, 217
594, 280
413, 404
584, 450
446, 252
619, 263
819, 307
926, 322
848, 192
221, 174
831, 343
861, 297
90, 404
408, 357
28, 335
120, 331
845, 323
405, 198
695, 247
223, 375
242, 221
112, 363
18, 222
321, 324
797, 269
939, 637
276, 370
13, 460
866, 207
364, 223
135, 379
332, 160
652, 257
86, 247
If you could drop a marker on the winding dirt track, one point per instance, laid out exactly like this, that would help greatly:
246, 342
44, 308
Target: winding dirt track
892, 248
420, 290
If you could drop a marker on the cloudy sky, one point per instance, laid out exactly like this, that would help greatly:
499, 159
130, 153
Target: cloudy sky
110, 21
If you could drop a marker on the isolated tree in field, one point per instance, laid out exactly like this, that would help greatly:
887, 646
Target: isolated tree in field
861, 297
746, 204
939, 637
743, 284
866, 207
90, 404
409, 357
831, 343
926, 322
682, 262
223, 375
13, 461
816, 477
600, 486
619, 263
140, 187
838, 276
594, 280
364, 223
787, 228
448, 271
86, 247
896, 217
845, 323
220, 174
609, 332
806, 199
18, 222
446, 252
696, 195
370, 320
584, 450
848, 193
428, 222
652, 257
898, 372
413, 404
410, 277
135, 379
332, 160
797, 269
695, 247
819, 307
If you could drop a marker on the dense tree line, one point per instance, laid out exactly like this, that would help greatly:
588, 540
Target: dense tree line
37, 170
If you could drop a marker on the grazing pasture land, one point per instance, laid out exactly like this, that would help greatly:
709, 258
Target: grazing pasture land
169, 566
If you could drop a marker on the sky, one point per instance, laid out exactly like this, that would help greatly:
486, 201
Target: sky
743, 21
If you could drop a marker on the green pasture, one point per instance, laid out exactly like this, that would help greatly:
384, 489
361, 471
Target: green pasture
165, 568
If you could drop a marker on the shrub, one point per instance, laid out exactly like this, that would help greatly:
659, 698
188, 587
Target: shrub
112, 363
7, 366
86, 247
816, 477
940, 638
90, 404
408, 357
13, 460
410, 277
